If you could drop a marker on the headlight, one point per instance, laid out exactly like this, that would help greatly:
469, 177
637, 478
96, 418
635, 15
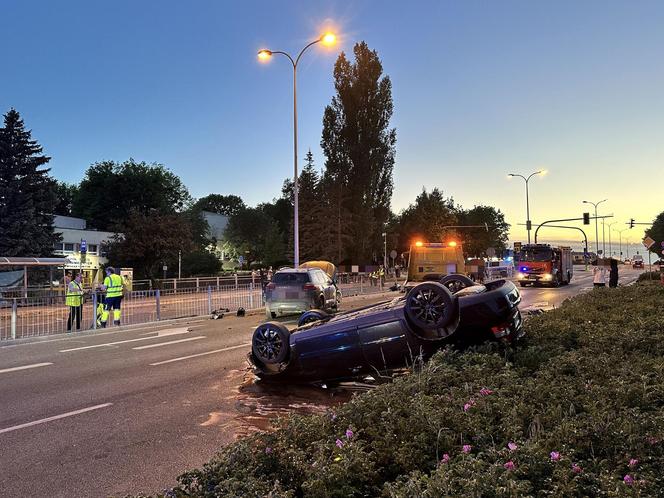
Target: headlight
547, 276
520, 276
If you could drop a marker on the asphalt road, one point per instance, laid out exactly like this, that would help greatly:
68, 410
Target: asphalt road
127, 411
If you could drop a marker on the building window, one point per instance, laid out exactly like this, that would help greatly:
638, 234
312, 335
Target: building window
92, 248
69, 247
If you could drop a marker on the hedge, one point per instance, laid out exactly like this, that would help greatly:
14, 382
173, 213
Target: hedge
577, 410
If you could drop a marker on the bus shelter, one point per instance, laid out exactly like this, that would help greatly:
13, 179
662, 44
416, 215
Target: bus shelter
25, 263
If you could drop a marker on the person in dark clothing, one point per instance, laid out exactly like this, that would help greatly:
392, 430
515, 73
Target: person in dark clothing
613, 273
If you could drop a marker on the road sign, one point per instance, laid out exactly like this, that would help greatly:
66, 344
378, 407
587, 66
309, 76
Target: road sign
648, 242
517, 247
84, 246
393, 254
164, 268
240, 260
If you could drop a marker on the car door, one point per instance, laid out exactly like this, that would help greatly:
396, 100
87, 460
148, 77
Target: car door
385, 344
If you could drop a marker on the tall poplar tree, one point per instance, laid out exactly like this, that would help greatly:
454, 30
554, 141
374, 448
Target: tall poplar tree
359, 147
27, 193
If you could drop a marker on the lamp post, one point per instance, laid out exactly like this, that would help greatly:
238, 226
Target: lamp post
610, 245
528, 223
596, 226
385, 250
619, 232
264, 55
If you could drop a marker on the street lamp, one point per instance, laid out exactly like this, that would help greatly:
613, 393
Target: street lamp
385, 250
265, 55
610, 245
528, 223
596, 229
619, 232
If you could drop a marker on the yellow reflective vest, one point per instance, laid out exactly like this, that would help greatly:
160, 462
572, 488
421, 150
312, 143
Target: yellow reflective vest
74, 294
113, 284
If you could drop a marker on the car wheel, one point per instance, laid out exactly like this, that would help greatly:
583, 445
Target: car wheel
455, 283
270, 342
429, 306
522, 284
312, 316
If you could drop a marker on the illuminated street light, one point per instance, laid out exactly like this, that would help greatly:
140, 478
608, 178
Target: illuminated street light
264, 55
528, 222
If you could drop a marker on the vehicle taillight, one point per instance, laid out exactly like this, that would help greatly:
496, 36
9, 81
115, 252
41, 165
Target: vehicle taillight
309, 287
500, 331
271, 286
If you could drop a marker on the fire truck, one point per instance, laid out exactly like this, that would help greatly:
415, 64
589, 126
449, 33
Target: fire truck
541, 264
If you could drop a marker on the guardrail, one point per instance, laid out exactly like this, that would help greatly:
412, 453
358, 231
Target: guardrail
41, 316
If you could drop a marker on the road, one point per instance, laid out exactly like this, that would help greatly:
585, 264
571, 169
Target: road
126, 411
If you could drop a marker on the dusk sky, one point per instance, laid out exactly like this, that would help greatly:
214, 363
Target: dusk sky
480, 89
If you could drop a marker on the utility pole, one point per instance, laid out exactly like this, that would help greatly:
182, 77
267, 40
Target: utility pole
179, 264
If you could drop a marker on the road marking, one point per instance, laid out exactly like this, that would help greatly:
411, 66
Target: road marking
55, 417
25, 367
200, 354
158, 345
174, 332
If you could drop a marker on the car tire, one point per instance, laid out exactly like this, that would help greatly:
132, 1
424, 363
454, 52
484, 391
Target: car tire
455, 282
312, 316
522, 284
430, 306
270, 343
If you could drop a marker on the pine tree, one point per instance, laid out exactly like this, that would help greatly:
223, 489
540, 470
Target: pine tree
310, 211
359, 148
27, 193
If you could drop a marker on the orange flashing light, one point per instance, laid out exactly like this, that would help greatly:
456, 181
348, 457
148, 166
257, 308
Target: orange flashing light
419, 243
452, 243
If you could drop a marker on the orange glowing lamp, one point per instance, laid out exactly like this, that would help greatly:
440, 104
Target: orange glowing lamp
452, 243
419, 243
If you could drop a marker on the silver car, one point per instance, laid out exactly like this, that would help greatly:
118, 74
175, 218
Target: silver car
295, 290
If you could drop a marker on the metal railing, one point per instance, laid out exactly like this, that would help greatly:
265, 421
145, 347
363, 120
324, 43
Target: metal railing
41, 316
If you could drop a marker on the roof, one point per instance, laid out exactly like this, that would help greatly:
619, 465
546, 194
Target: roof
16, 261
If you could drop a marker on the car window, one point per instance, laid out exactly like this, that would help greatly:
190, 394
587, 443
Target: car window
290, 278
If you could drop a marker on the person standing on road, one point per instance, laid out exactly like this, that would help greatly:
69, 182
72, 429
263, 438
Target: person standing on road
613, 273
599, 274
74, 302
113, 287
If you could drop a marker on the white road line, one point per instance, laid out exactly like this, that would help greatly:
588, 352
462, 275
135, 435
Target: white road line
25, 367
121, 342
158, 345
200, 354
55, 417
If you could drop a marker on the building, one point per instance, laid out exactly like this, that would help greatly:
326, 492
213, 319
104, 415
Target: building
74, 233
217, 223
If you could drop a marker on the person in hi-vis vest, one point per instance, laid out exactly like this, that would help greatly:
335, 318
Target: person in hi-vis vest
113, 287
74, 302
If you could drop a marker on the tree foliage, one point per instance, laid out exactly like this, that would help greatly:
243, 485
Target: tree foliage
221, 204
426, 218
656, 232
110, 191
64, 198
27, 193
477, 240
256, 236
359, 148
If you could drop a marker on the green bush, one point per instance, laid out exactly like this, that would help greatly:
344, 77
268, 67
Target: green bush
649, 276
577, 410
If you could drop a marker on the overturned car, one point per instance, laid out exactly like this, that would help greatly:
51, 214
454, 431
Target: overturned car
388, 335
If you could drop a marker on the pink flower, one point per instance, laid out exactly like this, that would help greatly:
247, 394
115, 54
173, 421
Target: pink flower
445, 459
555, 456
509, 465
485, 392
628, 479
349, 433
469, 405
512, 446
339, 443
576, 469
652, 440
268, 450
633, 463
466, 448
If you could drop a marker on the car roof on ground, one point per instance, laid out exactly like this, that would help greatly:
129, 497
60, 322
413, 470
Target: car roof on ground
295, 270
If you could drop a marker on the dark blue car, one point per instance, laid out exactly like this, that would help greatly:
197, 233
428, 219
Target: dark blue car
388, 335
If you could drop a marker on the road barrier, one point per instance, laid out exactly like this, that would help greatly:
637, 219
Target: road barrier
42, 316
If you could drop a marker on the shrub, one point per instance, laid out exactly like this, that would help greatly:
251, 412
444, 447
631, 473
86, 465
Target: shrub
577, 410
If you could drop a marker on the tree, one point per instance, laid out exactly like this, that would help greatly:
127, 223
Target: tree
656, 232
359, 148
221, 204
256, 236
64, 198
149, 241
425, 218
110, 191
27, 193
310, 211
200, 263
477, 240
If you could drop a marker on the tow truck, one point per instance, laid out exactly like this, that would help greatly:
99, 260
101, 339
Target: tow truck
541, 264
429, 261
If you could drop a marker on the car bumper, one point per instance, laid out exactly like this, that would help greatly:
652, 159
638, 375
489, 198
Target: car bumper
288, 307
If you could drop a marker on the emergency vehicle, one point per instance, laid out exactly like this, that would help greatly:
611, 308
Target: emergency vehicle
541, 264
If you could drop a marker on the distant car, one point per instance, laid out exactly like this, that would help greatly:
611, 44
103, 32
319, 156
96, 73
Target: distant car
390, 334
637, 261
296, 290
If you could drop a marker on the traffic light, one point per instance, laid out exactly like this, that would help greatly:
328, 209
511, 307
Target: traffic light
586, 218
631, 223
